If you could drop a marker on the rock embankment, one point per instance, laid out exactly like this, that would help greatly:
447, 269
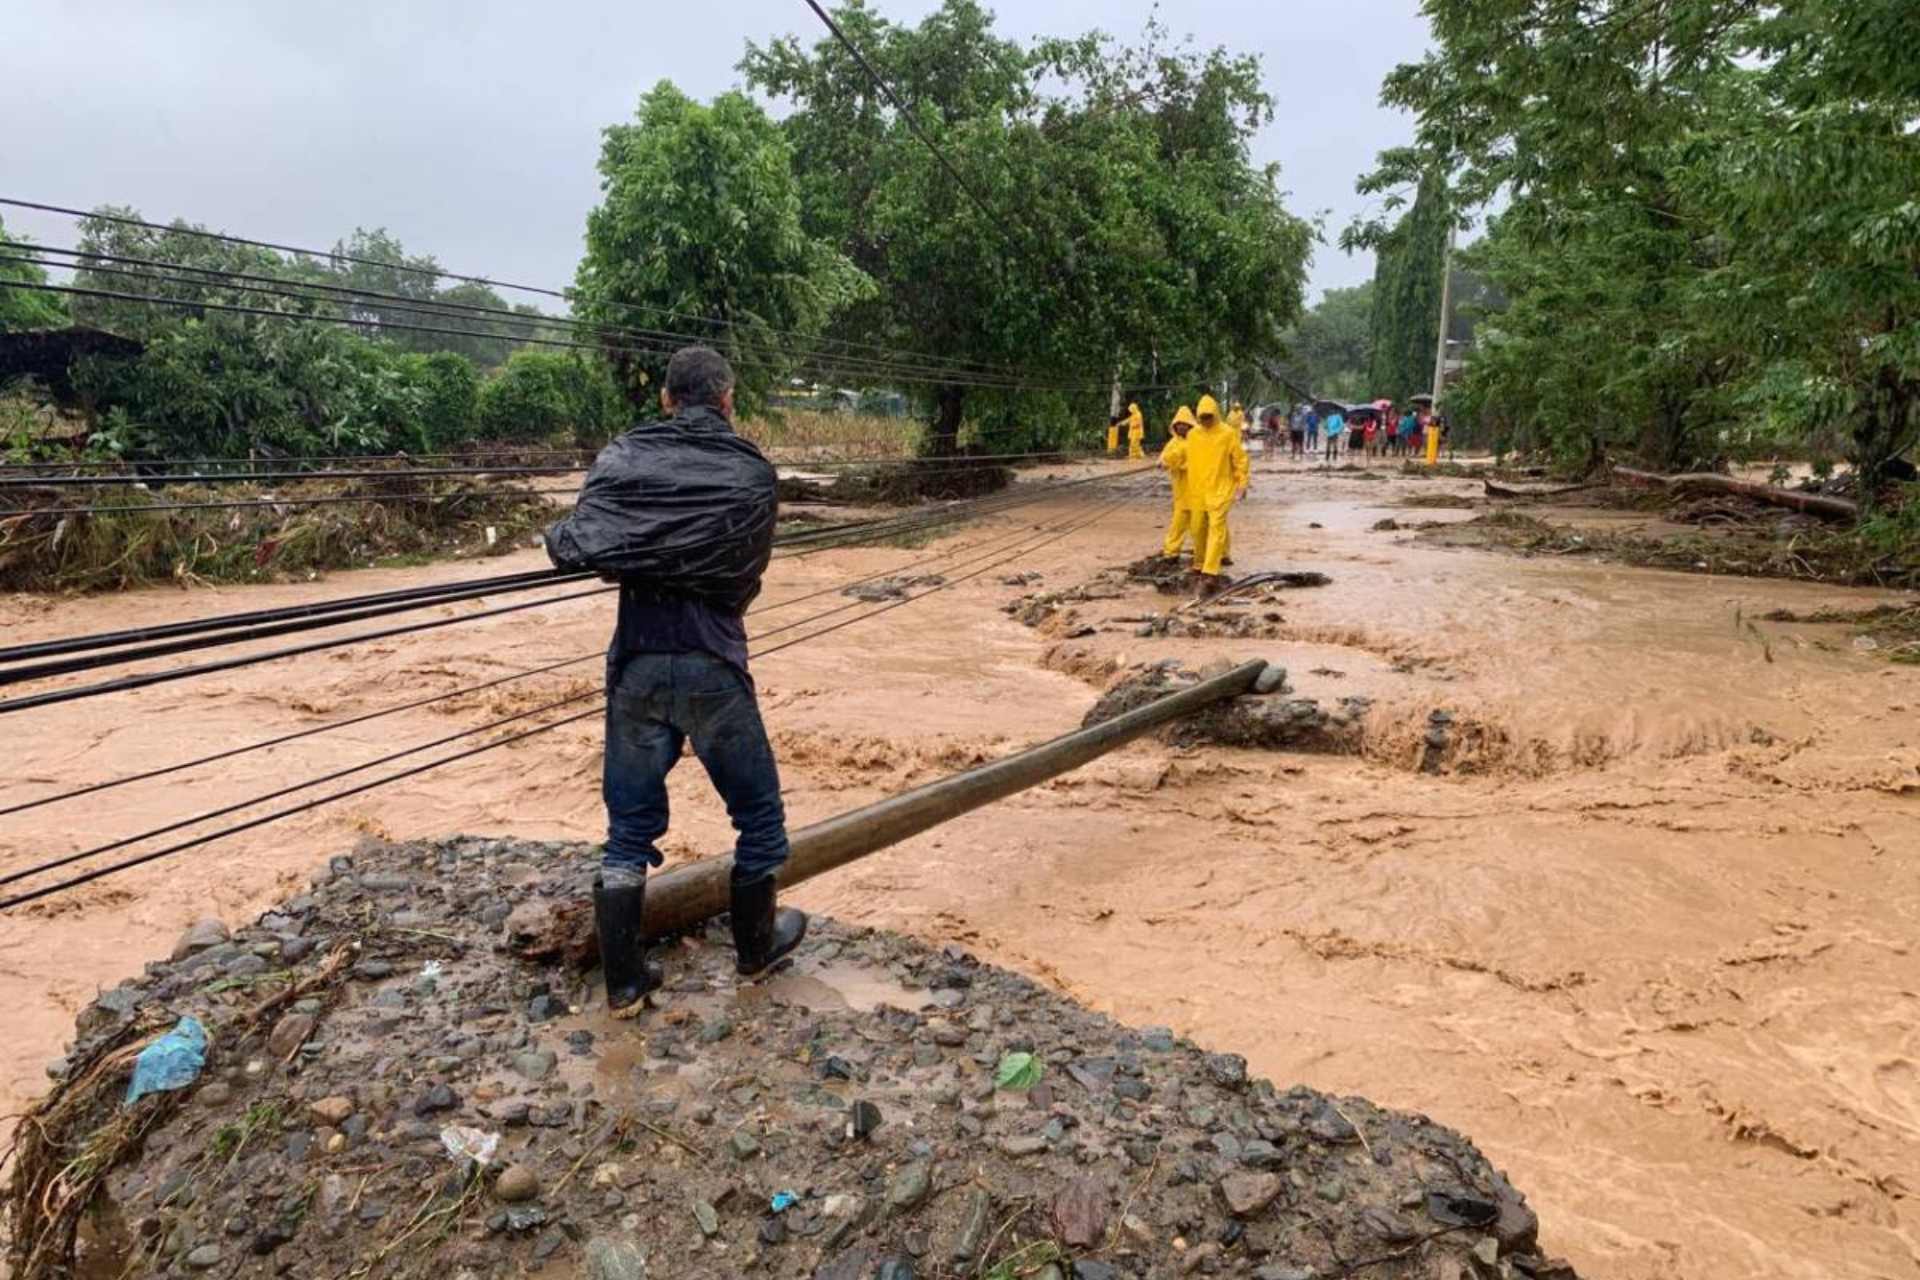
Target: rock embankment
390, 1089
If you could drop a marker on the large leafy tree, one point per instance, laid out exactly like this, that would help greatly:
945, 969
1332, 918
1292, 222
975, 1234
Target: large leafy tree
1710, 237
1410, 266
699, 230
1098, 219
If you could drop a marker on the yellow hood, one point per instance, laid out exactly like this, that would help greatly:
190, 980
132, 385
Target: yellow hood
1184, 416
1208, 408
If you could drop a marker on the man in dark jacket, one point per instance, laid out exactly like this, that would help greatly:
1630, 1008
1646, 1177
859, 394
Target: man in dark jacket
681, 513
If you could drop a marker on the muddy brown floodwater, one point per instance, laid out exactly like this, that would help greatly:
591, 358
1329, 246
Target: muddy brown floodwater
1649, 939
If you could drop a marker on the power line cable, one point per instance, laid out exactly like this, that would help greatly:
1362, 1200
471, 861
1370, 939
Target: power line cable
349, 294
146, 775
306, 806
146, 679
434, 273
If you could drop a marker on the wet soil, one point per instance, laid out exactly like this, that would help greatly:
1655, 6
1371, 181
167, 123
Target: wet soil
1642, 926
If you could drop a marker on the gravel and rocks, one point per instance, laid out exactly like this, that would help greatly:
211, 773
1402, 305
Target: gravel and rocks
839, 1119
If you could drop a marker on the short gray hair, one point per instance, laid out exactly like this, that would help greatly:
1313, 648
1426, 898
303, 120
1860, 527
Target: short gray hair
698, 375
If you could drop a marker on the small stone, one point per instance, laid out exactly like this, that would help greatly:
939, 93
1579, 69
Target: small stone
439, 1098
773, 1231
200, 936
742, 1145
1487, 1250
910, 1186
536, 1064
331, 1110
1087, 1269
1274, 678
1228, 1070
862, 1119
708, 1217
1132, 1090
1024, 1144
1198, 1257
894, 1267
974, 1222
544, 1008
289, 1034
374, 969
1257, 1153
215, 1095
386, 882
1157, 1039
1331, 1190
517, 1183
1248, 1193
1080, 1212
1281, 1271
613, 1259
204, 1257
716, 1031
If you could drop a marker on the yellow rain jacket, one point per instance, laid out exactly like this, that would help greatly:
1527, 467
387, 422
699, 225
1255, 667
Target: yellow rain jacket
1237, 419
1136, 432
1113, 437
1217, 469
1173, 459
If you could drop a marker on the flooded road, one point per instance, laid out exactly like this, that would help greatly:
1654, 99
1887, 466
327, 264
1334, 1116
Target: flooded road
1648, 937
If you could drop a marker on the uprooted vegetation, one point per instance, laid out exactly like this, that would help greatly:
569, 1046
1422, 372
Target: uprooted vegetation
86, 541
1891, 630
1736, 536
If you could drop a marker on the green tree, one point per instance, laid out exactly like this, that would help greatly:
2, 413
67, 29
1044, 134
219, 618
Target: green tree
1106, 223
1710, 241
699, 228
19, 308
449, 388
1410, 265
540, 396
1330, 349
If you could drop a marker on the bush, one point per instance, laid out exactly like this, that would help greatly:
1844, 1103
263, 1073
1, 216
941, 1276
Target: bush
546, 395
449, 389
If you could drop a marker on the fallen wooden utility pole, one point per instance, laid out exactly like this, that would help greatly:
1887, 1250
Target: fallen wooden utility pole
685, 896
1813, 504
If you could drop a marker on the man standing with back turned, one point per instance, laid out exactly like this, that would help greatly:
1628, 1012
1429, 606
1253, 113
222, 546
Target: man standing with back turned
681, 513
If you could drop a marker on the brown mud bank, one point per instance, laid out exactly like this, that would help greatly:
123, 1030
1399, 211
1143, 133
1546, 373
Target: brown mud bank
390, 1090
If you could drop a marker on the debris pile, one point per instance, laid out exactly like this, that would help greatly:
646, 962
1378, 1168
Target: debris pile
1268, 718
386, 1089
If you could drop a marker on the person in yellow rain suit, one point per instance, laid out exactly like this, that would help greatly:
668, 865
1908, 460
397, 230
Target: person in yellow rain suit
1173, 459
1237, 419
1217, 473
1136, 432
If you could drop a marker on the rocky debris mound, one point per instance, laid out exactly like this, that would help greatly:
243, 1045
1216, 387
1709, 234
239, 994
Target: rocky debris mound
1268, 718
387, 1090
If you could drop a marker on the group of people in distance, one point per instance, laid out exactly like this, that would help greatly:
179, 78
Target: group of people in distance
1206, 461
1373, 431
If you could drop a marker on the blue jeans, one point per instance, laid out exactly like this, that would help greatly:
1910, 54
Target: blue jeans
656, 703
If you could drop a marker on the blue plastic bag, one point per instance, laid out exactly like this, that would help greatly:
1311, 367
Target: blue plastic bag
171, 1062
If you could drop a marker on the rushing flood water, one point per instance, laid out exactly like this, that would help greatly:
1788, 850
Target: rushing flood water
1648, 937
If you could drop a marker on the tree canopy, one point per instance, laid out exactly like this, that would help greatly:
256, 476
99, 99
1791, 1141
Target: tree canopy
1709, 240
1106, 224
699, 228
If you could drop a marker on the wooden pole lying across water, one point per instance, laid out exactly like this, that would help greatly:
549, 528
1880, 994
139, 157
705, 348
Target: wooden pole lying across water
685, 896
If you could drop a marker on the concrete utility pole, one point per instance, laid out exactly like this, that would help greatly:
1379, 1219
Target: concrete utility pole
686, 895
1446, 305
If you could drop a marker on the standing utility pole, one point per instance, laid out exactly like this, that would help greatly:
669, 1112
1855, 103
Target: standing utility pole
1446, 299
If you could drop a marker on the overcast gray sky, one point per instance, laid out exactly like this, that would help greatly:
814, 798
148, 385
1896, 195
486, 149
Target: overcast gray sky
470, 130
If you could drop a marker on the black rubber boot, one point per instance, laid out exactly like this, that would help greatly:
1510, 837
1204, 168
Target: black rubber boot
623, 952
762, 934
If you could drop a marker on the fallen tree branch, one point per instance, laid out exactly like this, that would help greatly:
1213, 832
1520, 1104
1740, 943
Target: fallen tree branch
1497, 490
1811, 503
